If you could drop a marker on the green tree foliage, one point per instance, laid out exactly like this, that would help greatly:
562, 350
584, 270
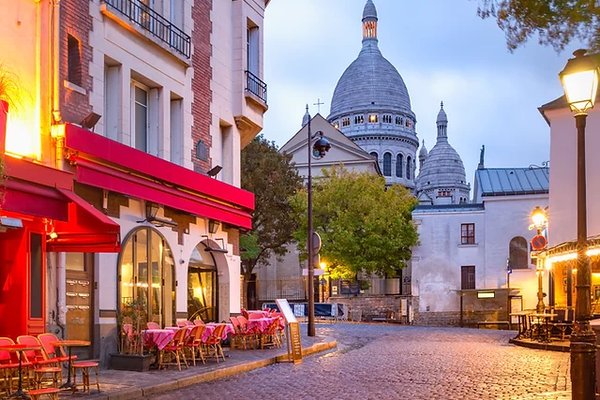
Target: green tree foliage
273, 179
364, 226
556, 22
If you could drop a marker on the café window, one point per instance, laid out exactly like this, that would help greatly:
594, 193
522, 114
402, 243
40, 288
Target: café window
467, 234
147, 276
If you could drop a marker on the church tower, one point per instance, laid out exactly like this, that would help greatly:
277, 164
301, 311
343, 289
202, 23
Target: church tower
442, 178
371, 106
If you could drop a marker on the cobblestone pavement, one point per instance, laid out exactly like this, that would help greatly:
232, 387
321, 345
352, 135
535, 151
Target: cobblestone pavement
381, 361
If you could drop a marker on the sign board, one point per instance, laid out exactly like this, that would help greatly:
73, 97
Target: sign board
316, 272
538, 242
286, 310
294, 343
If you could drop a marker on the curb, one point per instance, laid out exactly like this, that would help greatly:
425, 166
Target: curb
540, 346
142, 392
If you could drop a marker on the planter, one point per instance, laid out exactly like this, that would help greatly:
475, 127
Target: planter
132, 362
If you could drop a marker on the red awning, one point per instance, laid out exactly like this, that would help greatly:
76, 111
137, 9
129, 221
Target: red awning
31, 199
88, 230
110, 165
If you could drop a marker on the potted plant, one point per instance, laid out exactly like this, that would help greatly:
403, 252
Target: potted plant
131, 322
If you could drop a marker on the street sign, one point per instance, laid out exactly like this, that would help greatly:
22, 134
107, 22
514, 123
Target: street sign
538, 242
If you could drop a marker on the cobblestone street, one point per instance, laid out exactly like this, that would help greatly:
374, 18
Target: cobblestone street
381, 361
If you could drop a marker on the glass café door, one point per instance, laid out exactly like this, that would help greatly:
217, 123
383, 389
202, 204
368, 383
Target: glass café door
79, 275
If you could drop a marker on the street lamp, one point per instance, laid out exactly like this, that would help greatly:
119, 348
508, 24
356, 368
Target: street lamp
580, 83
317, 150
538, 217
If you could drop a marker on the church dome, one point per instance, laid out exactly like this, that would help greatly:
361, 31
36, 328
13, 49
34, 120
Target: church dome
371, 82
442, 175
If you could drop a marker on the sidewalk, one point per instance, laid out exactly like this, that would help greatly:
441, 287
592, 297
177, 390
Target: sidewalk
134, 385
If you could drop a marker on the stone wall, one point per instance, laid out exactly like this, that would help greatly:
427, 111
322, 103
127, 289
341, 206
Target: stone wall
366, 307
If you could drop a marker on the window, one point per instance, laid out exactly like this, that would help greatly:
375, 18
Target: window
444, 193
36, 277
399, 121
517, 253
176, 13
252, 48
176, 131
346, 121
147, 275
359, 119
399, 166
387, 164
467, 234
202, 285
375, 155
387, 119
140, 118
373, 118
113, 102
408, 167
467, 277
73, 61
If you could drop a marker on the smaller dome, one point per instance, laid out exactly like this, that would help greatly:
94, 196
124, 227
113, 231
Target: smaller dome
442, 117
423, 151
370, 11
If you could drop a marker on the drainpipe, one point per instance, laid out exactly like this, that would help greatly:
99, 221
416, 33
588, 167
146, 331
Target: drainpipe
55, 62
61, 287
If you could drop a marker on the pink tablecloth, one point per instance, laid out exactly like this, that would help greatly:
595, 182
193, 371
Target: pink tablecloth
253, 314
158, 338
260, 324
210, 327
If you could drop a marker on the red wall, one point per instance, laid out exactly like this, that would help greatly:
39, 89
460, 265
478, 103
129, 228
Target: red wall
14, 283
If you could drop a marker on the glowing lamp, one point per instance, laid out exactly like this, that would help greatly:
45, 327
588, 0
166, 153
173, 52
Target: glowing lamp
580, 81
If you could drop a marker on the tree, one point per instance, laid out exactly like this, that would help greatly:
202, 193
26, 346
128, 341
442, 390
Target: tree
556, 22
365, 227
272, 178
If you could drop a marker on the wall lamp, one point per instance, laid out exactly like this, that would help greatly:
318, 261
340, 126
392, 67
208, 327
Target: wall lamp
220, 249
213, 226
214, 171
90, 121
152, 211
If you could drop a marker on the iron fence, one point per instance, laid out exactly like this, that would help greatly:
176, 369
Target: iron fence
255, 86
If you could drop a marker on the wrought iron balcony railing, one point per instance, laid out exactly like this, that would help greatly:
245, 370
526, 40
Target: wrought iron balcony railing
148, 19
255, 86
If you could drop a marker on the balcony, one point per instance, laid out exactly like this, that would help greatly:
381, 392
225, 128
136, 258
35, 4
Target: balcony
255, 86
139, 14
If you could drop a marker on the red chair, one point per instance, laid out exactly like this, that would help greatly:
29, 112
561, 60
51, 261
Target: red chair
270, 337
44, 368
9, 366
194, 342
174, 348
213, 343
54, 352
242, 334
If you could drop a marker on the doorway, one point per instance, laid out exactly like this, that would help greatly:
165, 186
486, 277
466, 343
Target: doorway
79, 300
202, 286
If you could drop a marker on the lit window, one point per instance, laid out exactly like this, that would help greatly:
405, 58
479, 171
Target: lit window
373, 118
336, 125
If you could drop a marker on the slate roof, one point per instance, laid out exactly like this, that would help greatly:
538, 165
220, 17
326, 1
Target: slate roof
512, 181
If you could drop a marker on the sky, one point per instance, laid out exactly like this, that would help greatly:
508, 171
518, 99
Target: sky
442, 50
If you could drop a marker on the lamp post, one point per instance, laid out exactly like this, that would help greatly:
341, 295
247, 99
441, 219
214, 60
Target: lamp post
317, 150
579, 79
538, 217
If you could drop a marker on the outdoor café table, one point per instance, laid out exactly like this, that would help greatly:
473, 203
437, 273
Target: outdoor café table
19, 348
210, 327
259, 324
522, 321
543, 319
158, 338
70, 344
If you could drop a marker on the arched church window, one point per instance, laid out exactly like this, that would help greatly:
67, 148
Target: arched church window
374, 155
399, 165
408, 167
387, 164
517, 253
